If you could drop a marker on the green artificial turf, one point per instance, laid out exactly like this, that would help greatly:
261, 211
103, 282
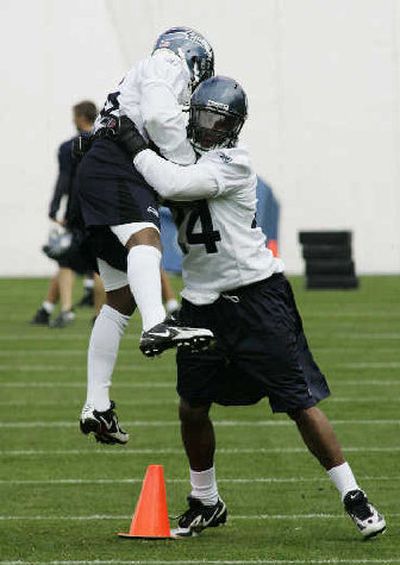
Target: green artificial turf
63, 497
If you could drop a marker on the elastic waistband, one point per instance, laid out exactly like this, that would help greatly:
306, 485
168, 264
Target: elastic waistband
242, 290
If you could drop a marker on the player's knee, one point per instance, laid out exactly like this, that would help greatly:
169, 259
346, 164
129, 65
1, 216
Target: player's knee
146, 236
192, 414
121, 300
298, 414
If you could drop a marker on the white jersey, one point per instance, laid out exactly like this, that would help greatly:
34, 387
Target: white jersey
223, 247
152, 95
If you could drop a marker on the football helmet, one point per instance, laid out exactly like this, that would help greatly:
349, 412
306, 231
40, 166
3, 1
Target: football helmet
218, 110
62, 243
191, 46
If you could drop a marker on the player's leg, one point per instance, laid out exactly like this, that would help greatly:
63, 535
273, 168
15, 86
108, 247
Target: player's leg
98, 415
144, 258
321, 440
42, 316
66, 278
88, 298
206, 508
99, 294
142, 240
283, 367
168, 295
201, 377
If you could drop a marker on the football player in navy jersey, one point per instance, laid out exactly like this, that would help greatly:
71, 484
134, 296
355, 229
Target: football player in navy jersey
121, 211
61, 285
234, 286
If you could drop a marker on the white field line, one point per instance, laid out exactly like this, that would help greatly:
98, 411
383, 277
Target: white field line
83, 351
179, 451
371, 365
153, 384
251, 480
175, 401
374, 335
95, 517
60, 384
217, 423
350, 314
80, 368
51, 336
143, 402
390, 561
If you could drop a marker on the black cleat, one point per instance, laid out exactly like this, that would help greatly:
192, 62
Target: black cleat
367, 519
198, 517
41, 318
103, 425
171, 333
63, 319
87, 299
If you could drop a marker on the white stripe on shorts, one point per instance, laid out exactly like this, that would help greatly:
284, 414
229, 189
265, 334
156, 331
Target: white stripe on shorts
124, 231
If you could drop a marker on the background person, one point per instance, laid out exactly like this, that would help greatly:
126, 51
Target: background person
61, 285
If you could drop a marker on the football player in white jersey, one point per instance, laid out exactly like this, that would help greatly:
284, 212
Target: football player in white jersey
234, 286
121, 212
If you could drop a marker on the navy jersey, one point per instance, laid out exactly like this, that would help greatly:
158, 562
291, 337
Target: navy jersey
67, 166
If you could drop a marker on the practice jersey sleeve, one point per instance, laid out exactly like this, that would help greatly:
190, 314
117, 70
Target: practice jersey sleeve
175, 182
65, 172
164, 88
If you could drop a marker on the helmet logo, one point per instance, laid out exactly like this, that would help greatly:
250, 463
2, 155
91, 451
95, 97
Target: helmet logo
218, 105
193, 36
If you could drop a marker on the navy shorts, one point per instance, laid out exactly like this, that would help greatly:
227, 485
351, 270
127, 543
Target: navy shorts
261, 350
111, 190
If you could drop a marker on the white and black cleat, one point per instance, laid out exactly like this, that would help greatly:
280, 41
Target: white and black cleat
367, 519
198, 517
103, 425
170, 334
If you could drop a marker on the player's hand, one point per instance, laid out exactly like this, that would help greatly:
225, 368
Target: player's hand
129, 137
81, 145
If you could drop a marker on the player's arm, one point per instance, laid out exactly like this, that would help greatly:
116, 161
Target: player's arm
175, 182
62, 185
164, 81
170, 180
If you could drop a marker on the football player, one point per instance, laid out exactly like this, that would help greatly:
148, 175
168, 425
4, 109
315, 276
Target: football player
236, 288
120, 209
61, 285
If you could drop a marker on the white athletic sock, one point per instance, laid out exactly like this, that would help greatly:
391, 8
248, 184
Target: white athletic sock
343, 478
102, 355
204, 486
88, 283
48, 306
145, 283
171, 305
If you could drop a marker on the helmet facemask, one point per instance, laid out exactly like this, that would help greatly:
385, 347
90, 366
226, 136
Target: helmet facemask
211, 129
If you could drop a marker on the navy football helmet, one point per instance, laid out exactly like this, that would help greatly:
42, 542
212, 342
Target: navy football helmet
193, 48
218, 110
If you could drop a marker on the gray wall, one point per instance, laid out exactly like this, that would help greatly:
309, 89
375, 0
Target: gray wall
323, 83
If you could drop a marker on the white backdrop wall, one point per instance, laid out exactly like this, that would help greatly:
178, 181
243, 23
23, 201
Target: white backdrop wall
323, 83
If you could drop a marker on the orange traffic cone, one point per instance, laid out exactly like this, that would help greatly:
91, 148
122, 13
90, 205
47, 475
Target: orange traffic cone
150, 519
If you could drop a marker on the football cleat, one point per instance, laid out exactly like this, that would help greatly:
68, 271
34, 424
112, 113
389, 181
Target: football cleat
41, 318
63, 319
103, 425
367, 519
171, 333
198, 517
87, 298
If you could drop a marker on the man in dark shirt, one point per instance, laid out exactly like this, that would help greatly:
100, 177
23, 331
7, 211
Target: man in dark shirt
61, 284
